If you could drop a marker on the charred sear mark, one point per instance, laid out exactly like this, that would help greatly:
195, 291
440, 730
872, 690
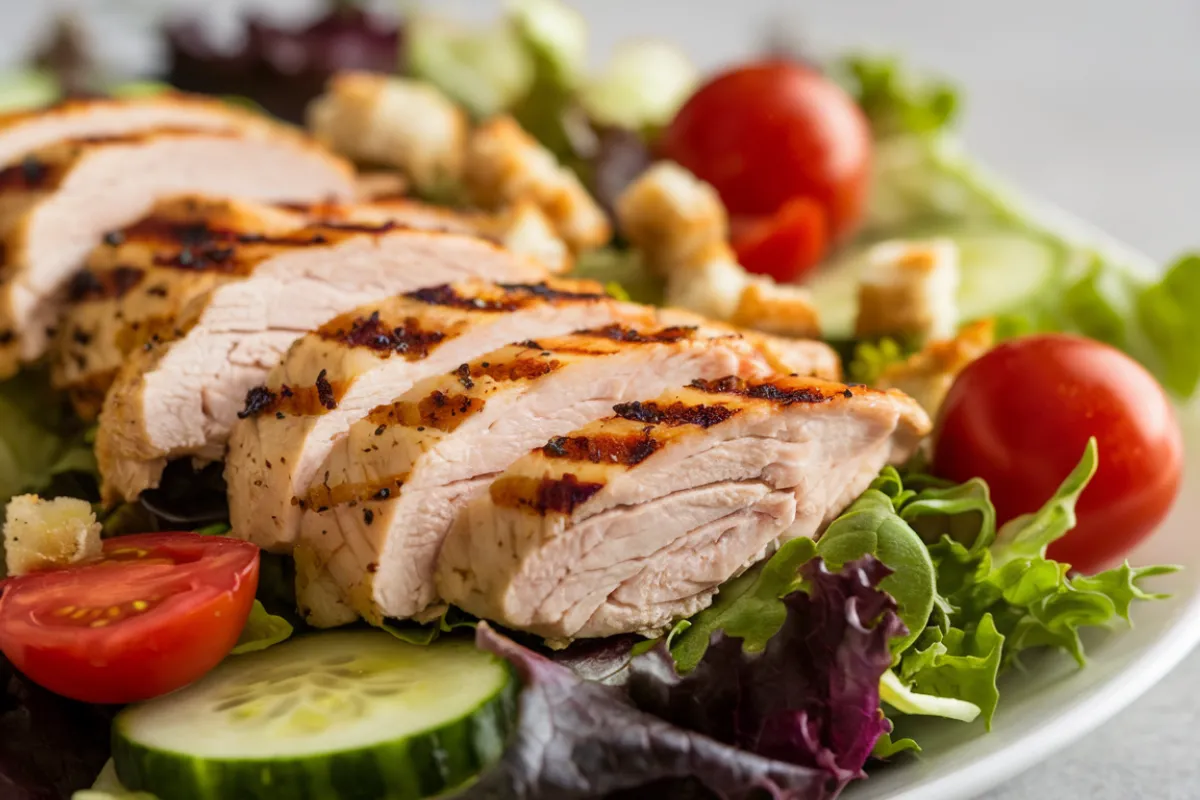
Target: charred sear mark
28, 173
547, 293
325, 392
463, 373
771, 392
501, 297
109, 284
364, 227
258, 400
675, 414
517, 369
439, 410
623, 333
7, 336
409, 340
603, 448
323, 497
201, 259
543, 495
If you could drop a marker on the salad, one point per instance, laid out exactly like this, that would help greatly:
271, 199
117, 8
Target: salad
670, 435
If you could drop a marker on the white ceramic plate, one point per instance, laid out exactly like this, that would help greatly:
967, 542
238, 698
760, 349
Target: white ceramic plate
1054, 703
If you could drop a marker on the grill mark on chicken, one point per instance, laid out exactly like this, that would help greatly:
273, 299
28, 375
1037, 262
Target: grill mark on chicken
439, 410
109, 284
304, 401
629, 450
323, 497
408, 339
765, 390
623, 333
514, 297
518, 369
675, 414
543, 495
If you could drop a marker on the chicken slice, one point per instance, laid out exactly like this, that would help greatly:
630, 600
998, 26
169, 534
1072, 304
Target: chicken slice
137, 281
179, 395
632, 522
391, 488
369, 356
56, 203
27, 130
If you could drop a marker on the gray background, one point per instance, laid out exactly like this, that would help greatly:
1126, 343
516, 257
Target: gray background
1094, 105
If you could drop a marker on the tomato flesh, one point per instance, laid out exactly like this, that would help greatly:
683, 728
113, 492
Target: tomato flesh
786, 245
768, 132
155, 613
1020, 417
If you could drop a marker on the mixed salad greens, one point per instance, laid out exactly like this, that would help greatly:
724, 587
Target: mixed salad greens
801, 675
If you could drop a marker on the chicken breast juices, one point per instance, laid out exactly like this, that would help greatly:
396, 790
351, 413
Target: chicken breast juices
139, 278
56, 203
180, 395
332, 377
632, 522
391, 488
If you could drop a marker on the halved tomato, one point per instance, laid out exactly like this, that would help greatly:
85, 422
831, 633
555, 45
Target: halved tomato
155, 613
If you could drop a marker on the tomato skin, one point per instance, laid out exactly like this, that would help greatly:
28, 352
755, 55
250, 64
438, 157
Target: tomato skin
1020, 417
771, 131
197, 591
786, 245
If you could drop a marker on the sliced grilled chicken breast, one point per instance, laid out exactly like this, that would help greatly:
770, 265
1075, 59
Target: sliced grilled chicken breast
179, 395
139, 278
58, 202
136, 282
632, 522
23, 131
390, 489
366, 358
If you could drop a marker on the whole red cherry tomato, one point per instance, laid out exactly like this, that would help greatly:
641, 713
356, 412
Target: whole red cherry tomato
769, 132
1020, 417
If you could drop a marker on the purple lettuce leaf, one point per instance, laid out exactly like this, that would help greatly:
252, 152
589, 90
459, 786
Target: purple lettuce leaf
49, 746
795, 722
580, 739
811, 698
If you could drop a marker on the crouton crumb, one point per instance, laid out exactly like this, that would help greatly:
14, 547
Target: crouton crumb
47, 534
908, 289
505, 165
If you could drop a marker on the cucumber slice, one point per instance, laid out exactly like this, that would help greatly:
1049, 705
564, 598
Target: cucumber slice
354, 715
1000, 270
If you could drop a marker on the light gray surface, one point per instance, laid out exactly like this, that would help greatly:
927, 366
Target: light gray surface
1093, 105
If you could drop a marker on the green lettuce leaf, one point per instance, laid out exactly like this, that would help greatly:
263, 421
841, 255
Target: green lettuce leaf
895, 101
1029, 535
958, 664
871, 525
452, 619
886, 747
871, 358
902, 698
262, 630
41, 443
750, 607
998, 595
1166, 311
